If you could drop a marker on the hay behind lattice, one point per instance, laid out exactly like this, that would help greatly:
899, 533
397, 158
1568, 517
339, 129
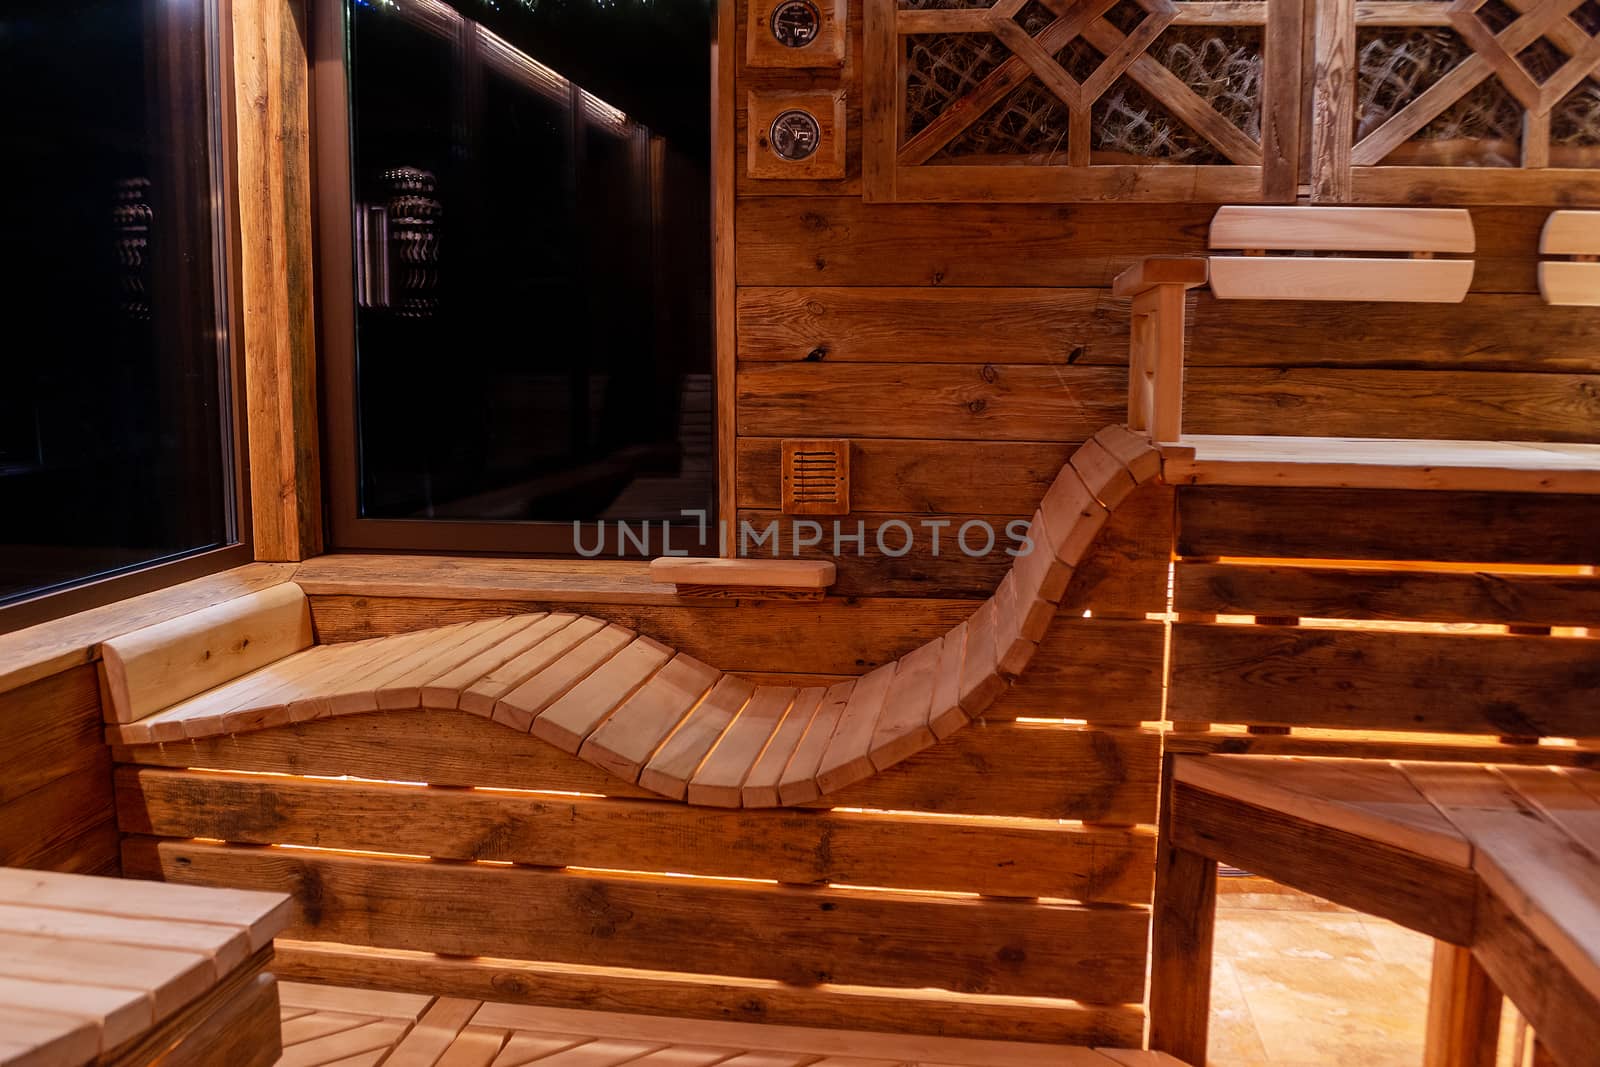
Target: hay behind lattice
1223, 65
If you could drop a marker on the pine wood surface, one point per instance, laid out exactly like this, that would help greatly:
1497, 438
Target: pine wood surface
95, 969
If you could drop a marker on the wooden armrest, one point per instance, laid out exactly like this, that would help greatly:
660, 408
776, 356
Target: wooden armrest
744, 573
1148, 273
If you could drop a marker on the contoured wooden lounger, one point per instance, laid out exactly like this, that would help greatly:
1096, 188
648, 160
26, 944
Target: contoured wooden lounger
620, 700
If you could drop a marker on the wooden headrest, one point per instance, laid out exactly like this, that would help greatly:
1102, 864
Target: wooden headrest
1569, 282
149, 669
1416, 232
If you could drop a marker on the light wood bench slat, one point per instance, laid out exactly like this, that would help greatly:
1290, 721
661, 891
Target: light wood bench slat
848, 757
798, 784
170, 978
1376, 463
444, 691
624, 743
35, 1039
406, 690
1536, 869
761, 785
118, 1015
1343, 229
902, 728
226, 947
676, 761
1436, 281
260, 914
521, 707
534, 648
719, 782
1365, 797
572, 717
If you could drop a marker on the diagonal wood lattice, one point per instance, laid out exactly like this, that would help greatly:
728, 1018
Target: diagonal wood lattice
1034, 55
1501, 54
1535, 20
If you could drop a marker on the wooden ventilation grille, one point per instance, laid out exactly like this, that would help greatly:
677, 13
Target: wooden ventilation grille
816, 477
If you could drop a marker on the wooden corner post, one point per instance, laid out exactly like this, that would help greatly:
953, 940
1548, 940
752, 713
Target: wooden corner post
274, 176
1155, 343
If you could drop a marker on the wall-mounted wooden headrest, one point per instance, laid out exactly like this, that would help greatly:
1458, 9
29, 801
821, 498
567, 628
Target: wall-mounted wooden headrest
1574, 281
152, 668
1419, 233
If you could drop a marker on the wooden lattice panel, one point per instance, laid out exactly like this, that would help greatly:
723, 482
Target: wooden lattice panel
1111, 99
1464, 101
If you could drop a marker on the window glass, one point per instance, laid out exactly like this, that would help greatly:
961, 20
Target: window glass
530, 189
112, 420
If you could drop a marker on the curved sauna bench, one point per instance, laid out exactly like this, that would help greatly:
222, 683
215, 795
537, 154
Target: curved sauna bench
619, 700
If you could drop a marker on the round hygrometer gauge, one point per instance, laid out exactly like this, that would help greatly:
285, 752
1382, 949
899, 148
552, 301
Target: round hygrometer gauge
794, 135
796, 23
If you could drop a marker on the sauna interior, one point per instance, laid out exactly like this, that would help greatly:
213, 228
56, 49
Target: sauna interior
800, 533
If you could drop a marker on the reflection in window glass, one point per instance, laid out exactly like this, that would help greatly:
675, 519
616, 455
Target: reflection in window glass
112, 426
532, 258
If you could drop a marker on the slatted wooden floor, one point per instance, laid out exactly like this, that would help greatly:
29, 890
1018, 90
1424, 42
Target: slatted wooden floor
330, 1026
666, 721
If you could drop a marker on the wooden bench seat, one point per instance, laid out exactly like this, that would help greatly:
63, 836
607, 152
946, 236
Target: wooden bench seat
618, 699
100, 970
360, 1027
1504, 861
1376, 463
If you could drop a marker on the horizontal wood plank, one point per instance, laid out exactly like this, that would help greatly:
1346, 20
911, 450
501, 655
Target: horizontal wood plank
930, 400
1030, 770
844, 241
49, 729
1319, 402
1375, 593
1501, 684
1018, 858
1449, 527
1504, 332
796, 935
837, 324
912, 1011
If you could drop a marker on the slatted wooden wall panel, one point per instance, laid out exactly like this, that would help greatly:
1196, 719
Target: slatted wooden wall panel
1331, 613
952, 871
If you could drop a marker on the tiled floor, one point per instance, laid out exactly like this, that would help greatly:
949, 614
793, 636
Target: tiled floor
1298, 982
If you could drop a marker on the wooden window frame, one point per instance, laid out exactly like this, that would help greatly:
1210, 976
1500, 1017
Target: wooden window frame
334, 195
94, 592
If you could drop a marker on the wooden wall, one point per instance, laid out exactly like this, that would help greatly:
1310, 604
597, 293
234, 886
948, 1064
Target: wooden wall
963, 347
56, 811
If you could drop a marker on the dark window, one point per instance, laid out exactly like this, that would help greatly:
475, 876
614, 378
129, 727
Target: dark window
114, 431
531, 263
